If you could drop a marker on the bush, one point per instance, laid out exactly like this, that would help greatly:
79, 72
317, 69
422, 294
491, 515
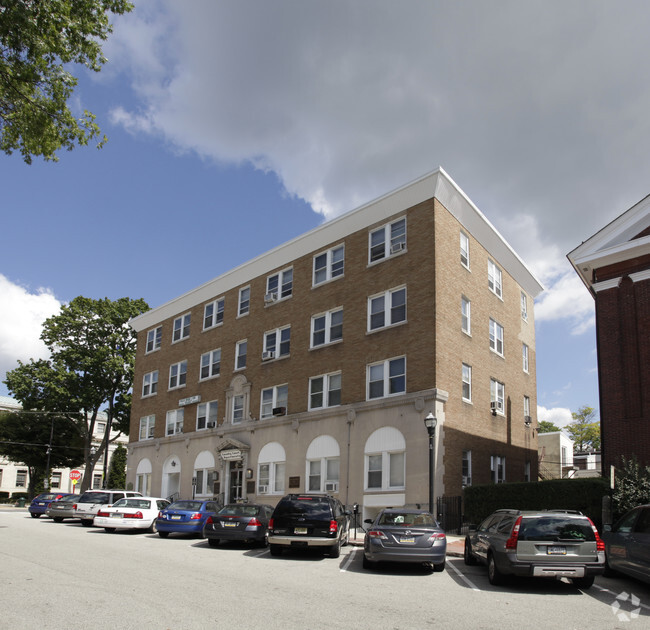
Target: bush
631, 486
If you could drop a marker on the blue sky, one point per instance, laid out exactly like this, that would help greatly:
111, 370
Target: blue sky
235, 126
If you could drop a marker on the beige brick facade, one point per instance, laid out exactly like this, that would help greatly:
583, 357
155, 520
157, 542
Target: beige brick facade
359, 436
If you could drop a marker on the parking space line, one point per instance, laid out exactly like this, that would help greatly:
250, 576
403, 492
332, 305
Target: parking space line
463, 577
349, 560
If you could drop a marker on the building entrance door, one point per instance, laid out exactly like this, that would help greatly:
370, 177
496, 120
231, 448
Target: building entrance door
236, 477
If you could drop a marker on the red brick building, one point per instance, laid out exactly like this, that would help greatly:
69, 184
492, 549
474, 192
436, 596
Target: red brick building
614, 264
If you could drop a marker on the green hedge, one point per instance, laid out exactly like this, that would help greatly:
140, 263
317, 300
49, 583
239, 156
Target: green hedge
584, 495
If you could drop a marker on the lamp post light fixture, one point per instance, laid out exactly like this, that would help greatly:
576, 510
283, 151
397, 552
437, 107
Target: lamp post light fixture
430, 423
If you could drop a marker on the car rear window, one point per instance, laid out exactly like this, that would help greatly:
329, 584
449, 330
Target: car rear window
140, 504
190, 506
556, 529
311, 507
406, 519
95, 497
239, 510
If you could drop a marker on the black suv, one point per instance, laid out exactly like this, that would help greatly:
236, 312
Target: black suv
309, 520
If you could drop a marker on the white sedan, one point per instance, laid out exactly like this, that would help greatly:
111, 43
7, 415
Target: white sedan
131, 513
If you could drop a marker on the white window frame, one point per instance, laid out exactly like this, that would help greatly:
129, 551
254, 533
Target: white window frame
466, 467
332, 332
372, 372
525, 357
150, 384
215, 317
206, 413
272, 398
327, 381
181, 327
333, 267
279, 286
244, 301
391, 236
498, 395
240, 357
498, 468
178, 375
204, 481
524, 306
527, 406
174, 421
212, 361
281, 347
496, 337
464, 250
390, 310
466, 315
327, 471
495, 279
466, 378
389, 460
274, 477
147, 427
154, 340
238, 406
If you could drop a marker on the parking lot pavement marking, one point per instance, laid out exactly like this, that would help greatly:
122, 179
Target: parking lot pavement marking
349, 560
463, 577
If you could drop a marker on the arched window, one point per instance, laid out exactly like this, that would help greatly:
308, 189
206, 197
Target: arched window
143, 477
385, 460
271, 466
323, 465
204, 473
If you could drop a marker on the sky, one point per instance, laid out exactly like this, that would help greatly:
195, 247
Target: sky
234, 126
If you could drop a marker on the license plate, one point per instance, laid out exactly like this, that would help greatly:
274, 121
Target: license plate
404, 539
556, 551
226, 524
176, 517
300, 530
116, 515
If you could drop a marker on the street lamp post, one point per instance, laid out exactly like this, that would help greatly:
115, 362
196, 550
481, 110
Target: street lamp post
430, 423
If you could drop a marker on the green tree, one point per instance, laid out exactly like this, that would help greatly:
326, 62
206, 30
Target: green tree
39, 41
117, 469
91, 366
25, 439
546, 426
584, 431
631, 486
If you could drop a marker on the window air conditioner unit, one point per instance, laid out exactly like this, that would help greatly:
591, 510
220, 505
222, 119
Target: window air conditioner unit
262, 489
151, 430
332, 486
494, 407
267, 355
269, 298
397, 247
170, 430
211, 425
467, 481
279, 411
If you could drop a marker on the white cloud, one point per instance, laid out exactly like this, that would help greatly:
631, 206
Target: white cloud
559, 416
22, 313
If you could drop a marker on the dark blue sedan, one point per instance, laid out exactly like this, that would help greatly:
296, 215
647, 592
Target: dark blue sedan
40, 503
185, 516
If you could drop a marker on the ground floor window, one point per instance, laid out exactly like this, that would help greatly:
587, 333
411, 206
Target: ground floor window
143, 484
97, 482
498, 468
21, 478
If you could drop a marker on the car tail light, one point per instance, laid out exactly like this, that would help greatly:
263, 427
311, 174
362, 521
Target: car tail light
102, 513
209, 521
437, 536
195, 516
160, 514
511, 543
254, 523
74, 506
136, 515
377, 533
334, 526
271, 523
600, 543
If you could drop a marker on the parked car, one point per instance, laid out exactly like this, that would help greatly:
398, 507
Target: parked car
247, 522
404, 535
627, 544
553, 544
39, 504
91, 501
302, 521
131, 513
186, 516
62, 508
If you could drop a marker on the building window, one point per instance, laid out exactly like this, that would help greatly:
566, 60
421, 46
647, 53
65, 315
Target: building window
21, 479
464, 249
177, 375
524, 356
527, 471
56, 480
271, 469
150, 383
325, 391
385, 460
497, 395
327, 328
466, 315
387, 309
274, 398
496, 337
204, 481
143, 484
97, 481
527, 416
244, 301
181, 327
467, 468
323, 475
387, 240
498, 468
277, 343
237, 409
154, 339
495, 279
279, 286
524, 307
329, 265
147, 427
210, 364
387, 378
175, 421
213, 314
240, 354
467, 382
206, 415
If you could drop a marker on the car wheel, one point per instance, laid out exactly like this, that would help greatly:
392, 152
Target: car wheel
368, 564
264, 542
494, 575
439, 568
213, 542
275, 550
109, 530
34, 515
335, 550
153, 528
347, 538
86, 522
583, 582
468, 556
609, 572
163, 534
58, 519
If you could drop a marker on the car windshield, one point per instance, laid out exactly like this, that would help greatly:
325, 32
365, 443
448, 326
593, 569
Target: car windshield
139, 504
190, 506
47, 497
304, 506
556, 529
406, 519
95, 497
239, 510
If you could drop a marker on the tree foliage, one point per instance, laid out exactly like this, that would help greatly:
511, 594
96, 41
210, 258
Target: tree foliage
90, 370
39, 40
631, 486
546, 426
584, 431
117, 469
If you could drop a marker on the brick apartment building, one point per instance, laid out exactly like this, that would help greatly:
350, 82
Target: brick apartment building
614, 264
313, 366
